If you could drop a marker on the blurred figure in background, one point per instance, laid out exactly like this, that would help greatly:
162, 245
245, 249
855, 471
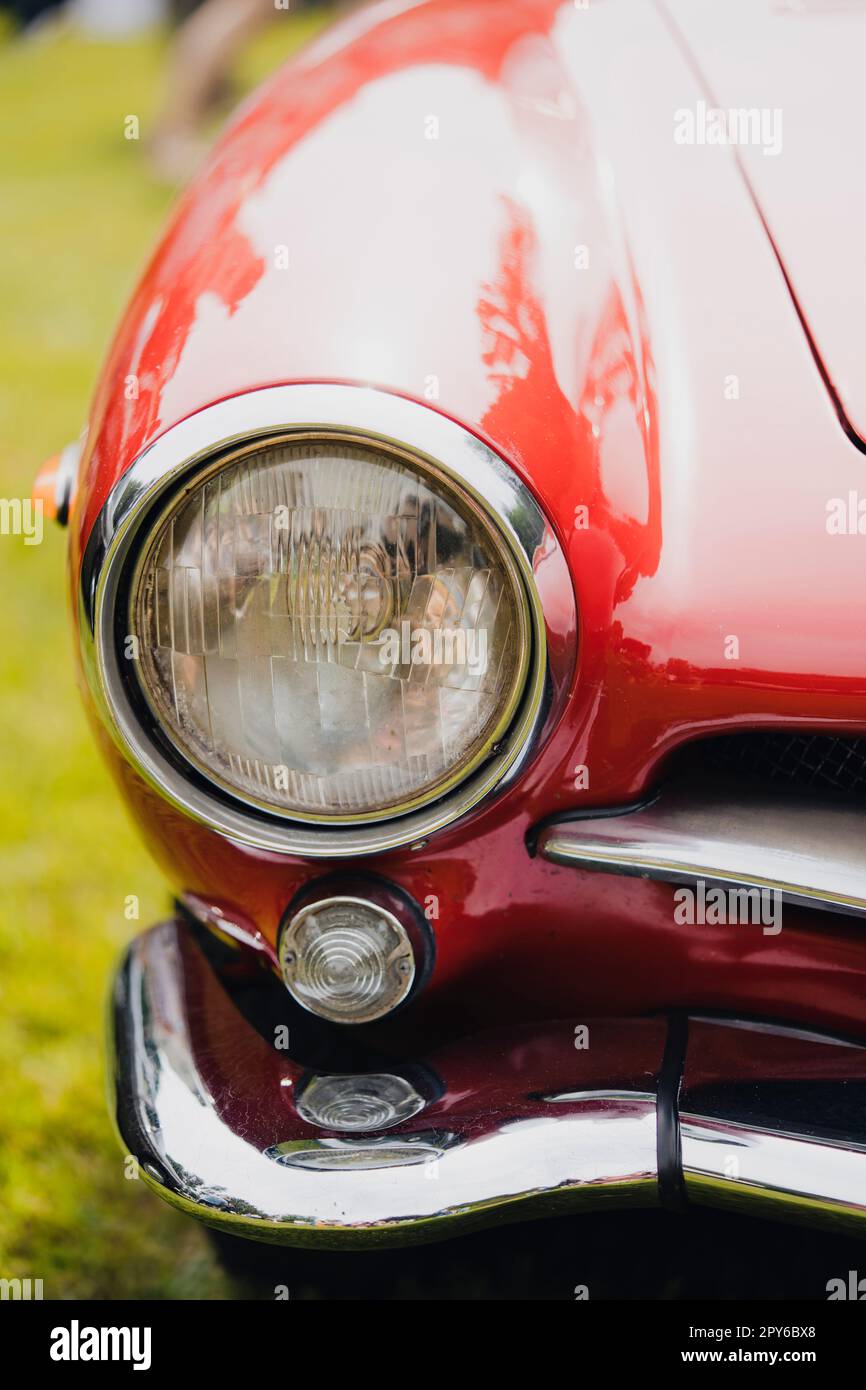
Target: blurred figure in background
102, 19
199, 66
26, 12
208, 37
116, 19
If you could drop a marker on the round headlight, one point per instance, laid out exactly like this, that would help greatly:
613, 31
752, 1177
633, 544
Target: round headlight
329, 630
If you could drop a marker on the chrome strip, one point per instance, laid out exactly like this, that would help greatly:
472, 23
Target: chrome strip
728, 1164
772, 1120
808, 851
373, 416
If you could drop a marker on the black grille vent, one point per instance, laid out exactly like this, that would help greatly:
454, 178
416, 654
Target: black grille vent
818, 761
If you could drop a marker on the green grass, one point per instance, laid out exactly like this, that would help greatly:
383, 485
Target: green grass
79, 212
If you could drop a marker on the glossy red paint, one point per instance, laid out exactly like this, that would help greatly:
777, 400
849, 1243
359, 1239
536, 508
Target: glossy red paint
719, 1057
800, 66
582, 290
472, 1085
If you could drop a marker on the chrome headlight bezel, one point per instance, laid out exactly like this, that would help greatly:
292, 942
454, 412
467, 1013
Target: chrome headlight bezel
214, 435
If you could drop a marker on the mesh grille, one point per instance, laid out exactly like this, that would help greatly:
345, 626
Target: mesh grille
819, 761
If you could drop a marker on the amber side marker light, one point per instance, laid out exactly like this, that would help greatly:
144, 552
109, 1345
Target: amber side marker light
45, 488
54, 484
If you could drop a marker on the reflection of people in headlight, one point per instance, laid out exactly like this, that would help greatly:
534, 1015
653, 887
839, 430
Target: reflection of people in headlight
264, 604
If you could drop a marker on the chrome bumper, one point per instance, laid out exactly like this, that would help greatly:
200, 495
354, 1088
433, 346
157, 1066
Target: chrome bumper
224, 1123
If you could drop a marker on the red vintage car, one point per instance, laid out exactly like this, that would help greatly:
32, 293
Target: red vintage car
467, 550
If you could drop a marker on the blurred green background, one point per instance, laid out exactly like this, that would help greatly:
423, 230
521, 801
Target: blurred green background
78, 212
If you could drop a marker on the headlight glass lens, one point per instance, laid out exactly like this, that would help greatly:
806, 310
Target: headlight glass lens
328, 630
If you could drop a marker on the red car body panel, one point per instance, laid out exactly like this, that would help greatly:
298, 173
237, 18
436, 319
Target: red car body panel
804, 61
582, 290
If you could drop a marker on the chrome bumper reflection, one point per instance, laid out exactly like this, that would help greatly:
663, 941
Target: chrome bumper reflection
270, 1141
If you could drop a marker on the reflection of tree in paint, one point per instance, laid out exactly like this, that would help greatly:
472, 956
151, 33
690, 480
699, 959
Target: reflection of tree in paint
615, 401
205, 253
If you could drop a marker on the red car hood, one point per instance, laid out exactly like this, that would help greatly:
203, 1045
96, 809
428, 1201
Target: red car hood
800, 62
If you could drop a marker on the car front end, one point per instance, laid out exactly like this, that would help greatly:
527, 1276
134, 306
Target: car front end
457, 614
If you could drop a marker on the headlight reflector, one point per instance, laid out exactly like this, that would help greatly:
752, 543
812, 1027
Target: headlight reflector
329, 630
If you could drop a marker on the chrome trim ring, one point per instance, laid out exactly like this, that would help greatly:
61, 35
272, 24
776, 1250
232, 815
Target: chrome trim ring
369, 416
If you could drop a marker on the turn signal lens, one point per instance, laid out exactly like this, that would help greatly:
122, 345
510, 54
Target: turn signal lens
358, 1103
347, 960
330, 631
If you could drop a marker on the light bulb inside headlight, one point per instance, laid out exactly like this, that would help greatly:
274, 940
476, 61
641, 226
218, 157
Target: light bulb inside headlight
330, 630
